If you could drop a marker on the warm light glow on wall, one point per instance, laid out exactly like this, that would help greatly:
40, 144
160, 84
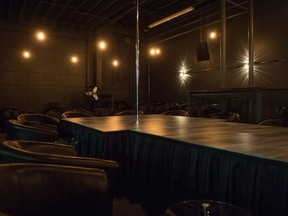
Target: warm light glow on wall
102, 45
245, 61
41, 36
115, 63
246, 66
213, 35
26, 54
74, 59
183, 73
154, 51
244, 70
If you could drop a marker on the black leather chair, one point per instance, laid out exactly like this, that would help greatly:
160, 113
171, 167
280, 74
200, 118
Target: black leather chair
281, 111
55, 112
25, 130
229, 116
279, 122
175, 113
128, 112
45, 189
23, 151
39, 118
77, 114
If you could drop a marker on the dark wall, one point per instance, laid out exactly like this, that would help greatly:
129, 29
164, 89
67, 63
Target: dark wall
48, 78
51, 78
270, 44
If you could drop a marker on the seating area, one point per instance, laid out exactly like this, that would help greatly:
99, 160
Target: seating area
31, 148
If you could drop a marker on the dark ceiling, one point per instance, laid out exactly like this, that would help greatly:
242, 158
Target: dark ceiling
91, 16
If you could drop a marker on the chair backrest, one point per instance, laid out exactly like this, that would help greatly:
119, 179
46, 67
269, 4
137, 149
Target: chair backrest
16, 129
281, 111
175, 112
279, 122
233, 117
183, 106
11, 150
76, 114
40, 118
229, 116
128, 112
45, 189
55, 112
21, 151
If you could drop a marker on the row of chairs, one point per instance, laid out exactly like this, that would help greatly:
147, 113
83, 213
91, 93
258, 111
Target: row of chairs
42, 127
44, 176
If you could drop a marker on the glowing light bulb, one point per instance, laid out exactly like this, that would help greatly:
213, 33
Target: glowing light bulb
74, 59
102, 45
154, 51
115, 63
246, 66
183, 73
26, 54
41, 36
213, 35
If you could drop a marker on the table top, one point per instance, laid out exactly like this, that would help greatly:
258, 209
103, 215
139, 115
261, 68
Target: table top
255, 140
204, 208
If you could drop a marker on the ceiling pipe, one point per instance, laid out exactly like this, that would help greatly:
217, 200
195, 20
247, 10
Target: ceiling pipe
192, 30
171, 17
173, 28
238, 5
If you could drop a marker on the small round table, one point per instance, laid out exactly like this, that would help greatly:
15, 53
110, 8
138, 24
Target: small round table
204, 208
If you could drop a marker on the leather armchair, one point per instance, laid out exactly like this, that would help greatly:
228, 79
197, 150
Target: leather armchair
77, 114
25, 130
45, 189
21, 151
176, 112
40, 118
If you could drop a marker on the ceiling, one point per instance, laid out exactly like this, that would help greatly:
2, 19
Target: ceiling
91, 16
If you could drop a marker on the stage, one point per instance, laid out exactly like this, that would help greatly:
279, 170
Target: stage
166, 159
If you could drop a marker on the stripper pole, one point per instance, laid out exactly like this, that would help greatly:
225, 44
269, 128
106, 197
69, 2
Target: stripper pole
223, 43
251, 45
137, 60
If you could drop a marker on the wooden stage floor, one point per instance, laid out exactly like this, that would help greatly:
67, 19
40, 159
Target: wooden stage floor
255, 140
